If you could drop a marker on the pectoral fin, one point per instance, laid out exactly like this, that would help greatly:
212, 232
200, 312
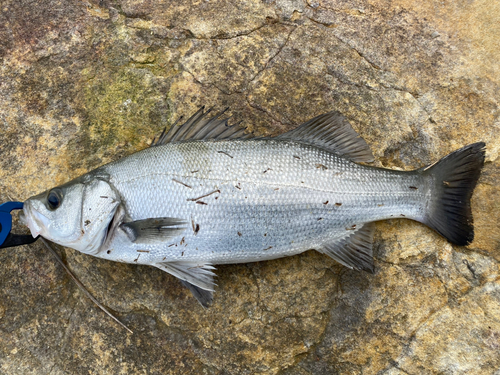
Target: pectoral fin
197, 277
155, 230
354, 250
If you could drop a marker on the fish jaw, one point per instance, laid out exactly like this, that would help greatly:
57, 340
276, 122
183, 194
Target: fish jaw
33, 219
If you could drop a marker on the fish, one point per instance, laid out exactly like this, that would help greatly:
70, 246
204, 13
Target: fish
207, 193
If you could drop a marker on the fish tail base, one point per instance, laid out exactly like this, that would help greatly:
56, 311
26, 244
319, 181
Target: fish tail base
454, 178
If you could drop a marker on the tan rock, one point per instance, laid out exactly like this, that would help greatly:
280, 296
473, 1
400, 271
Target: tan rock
85, 83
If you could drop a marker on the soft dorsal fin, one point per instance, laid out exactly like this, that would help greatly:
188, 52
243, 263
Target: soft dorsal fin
201, 127
355, 250
333, 132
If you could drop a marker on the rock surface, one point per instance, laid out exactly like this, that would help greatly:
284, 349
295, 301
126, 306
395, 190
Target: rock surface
83, 83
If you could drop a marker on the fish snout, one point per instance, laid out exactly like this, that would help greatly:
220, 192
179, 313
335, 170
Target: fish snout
33, 219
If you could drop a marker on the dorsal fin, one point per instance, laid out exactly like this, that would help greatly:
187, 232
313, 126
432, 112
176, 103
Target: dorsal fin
333, 132
201, 127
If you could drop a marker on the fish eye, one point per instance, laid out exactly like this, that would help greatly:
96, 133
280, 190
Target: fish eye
54, 198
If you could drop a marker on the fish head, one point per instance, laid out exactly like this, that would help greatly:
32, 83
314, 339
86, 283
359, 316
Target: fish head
76, 214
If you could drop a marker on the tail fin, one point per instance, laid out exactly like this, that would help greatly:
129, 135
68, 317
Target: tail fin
454, 178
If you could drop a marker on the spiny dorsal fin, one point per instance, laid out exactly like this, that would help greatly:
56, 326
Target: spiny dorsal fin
354, 251
200, 127
333, 132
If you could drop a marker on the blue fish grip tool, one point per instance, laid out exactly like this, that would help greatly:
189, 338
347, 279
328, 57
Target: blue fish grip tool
8, 239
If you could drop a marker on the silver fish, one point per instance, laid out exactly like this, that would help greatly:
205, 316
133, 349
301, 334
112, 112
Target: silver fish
206, 193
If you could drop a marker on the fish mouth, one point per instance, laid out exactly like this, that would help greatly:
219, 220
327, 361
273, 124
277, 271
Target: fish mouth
33, 219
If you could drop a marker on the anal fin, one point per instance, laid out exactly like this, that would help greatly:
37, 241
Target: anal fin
355, 250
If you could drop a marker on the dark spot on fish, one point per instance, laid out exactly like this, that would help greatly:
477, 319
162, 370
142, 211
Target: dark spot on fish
446, 183
200, 202
105, 197
326, 202
323, 167
225, 153
239, 234
380, 205
182, 183
402, 215
338, 204
353, 226
276, 189
270, 247
268, 169
216, 197
143, 251
164, 258
296, 157
197, 229
108, 252
182, 241
413, 187
301, 182
82, 231
195, 171
182, 254
136, 259
171, 245
265, 234
320, 218
87, 222
238, 186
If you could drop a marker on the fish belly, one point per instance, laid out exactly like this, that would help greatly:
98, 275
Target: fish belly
245, 201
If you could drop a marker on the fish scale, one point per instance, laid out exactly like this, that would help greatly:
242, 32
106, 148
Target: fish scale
205, 193
277, 210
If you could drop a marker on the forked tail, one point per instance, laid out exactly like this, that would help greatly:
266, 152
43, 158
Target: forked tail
453, 180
